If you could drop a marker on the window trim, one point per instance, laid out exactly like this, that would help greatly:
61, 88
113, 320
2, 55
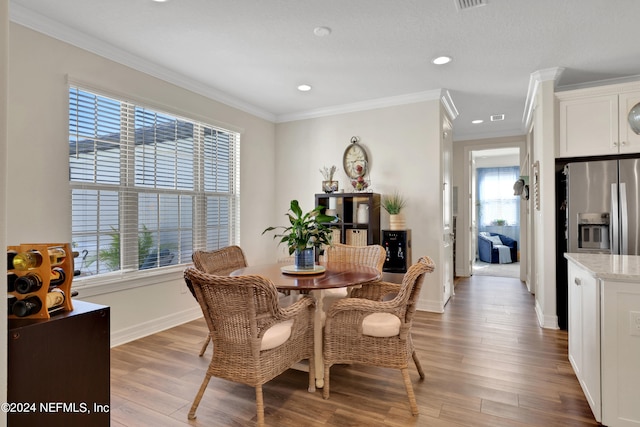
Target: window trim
117, 281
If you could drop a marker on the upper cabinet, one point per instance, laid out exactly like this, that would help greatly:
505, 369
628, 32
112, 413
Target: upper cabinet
594, 122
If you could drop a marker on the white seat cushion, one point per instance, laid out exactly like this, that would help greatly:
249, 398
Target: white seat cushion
276, 335
381, 325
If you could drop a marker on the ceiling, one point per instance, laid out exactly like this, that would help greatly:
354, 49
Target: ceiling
252, 54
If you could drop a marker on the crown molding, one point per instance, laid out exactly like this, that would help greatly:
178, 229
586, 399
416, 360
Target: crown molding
614, 82
449, 106
40, 23
372, 104
535, 79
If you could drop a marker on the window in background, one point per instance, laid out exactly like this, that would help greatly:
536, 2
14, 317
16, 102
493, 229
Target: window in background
498, 207
147, 188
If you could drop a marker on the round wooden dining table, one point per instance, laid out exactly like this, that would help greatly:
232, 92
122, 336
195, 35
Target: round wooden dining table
333, 275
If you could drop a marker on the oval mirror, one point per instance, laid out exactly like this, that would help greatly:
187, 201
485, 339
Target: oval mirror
634, 118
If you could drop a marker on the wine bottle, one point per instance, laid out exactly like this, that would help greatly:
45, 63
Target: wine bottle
28, 283
26, 307
11, 280
56, 256
57, 277
32, 304
10, 256
27, 260
55, 298
11, 299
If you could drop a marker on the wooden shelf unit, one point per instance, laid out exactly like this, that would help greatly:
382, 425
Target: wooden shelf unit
64, 359
351, 231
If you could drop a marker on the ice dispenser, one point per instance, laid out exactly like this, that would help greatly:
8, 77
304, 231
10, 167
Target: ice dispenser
593, 232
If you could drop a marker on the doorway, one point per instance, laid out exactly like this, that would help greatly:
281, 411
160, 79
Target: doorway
495, 212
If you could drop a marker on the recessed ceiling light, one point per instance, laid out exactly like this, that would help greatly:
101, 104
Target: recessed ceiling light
322, 31
476, 122
304, 88
441, 60
160, 1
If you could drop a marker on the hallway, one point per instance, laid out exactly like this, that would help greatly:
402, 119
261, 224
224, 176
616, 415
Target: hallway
481, 268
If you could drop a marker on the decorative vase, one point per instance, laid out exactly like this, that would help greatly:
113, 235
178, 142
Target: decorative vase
305, 259
397, 222
363, 213
329, 186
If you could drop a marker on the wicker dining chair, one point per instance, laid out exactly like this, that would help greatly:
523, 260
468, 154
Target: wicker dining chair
371, 255
375, 332
254, 339
220, 262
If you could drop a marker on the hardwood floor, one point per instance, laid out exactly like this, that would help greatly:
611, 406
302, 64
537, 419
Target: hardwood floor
487, 363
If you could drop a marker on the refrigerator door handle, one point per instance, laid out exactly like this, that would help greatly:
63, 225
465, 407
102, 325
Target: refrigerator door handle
614, 230
624, 221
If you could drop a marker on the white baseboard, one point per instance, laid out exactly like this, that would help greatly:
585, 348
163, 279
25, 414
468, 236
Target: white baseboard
547, 322
430, 305
142, 330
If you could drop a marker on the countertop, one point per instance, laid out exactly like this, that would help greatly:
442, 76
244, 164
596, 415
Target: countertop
608, 267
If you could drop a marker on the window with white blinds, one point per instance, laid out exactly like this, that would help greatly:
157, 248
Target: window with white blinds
147, 188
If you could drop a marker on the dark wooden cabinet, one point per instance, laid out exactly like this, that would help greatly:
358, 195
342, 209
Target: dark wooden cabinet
353, 229
58, 368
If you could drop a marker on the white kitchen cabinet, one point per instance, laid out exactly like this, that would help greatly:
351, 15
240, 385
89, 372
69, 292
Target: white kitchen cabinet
621, 353
604, 334
584, 334
593, 121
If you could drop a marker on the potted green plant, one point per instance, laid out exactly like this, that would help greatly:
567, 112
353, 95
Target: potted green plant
306, 232
394, 204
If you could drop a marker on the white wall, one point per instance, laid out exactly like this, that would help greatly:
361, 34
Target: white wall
403, 144
4, 78
38, 196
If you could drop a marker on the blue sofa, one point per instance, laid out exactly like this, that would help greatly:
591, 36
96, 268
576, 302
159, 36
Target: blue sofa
488, 253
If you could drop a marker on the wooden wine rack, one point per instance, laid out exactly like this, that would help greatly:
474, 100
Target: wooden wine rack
44, 271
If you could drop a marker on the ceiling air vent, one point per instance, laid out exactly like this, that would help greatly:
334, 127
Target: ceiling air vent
469, 4
497, 117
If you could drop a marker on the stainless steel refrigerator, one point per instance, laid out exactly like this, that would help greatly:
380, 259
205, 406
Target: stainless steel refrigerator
603, 206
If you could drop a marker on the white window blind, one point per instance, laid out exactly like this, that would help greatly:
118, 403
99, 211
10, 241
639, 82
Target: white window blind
147, 188
497, 203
